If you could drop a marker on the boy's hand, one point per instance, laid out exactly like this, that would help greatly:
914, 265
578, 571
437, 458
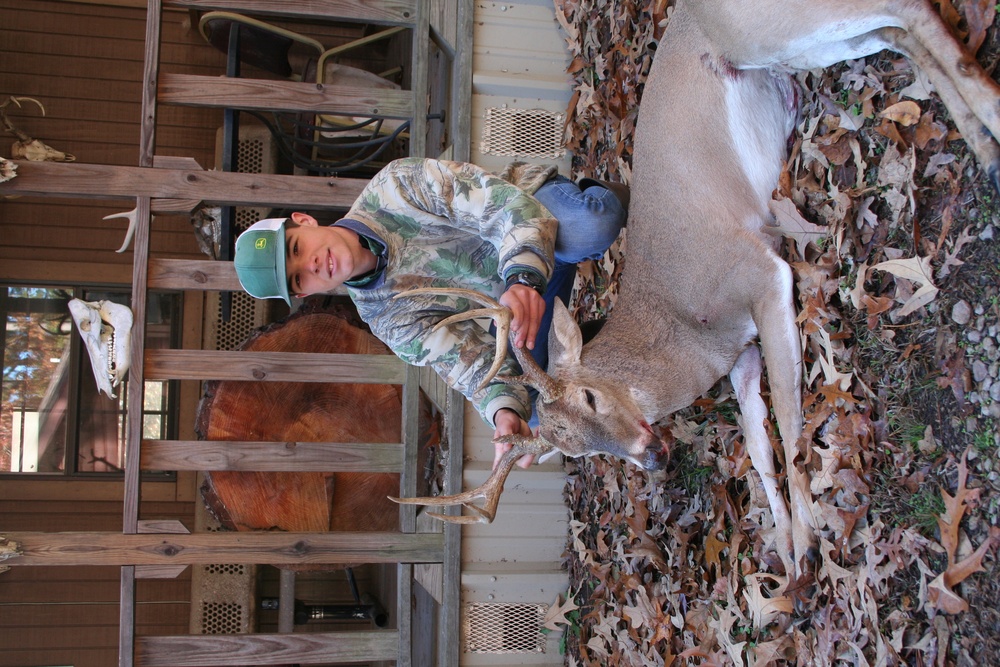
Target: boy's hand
508, 422
526, 307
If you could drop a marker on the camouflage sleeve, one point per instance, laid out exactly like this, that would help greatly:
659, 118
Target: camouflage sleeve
515, 223
461, 353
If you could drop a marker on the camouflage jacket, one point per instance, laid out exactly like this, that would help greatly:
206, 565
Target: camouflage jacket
450, 224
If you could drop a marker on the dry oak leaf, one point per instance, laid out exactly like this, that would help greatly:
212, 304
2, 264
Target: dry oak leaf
979, 16
920, 89
940, 593
905, 113
556, 615
790, 224
764, 609
951, 256
916, 269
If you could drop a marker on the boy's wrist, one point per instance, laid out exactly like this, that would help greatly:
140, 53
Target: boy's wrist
526, 278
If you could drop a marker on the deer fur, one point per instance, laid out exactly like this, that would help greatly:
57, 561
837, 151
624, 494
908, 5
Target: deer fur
702, 282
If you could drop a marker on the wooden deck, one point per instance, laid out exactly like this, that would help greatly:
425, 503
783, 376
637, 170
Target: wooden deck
158, 184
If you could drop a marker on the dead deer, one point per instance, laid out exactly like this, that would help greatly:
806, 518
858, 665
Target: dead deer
702, 281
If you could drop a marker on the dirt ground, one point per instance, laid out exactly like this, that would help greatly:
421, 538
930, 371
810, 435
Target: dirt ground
674, 569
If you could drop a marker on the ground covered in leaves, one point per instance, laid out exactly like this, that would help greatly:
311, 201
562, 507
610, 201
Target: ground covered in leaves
894, 235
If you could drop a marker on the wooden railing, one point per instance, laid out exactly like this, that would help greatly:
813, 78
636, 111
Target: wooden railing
174, 184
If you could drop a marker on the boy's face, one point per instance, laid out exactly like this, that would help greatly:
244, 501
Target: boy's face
317, 259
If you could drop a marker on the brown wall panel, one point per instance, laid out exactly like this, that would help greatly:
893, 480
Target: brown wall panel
102, 657
87, 615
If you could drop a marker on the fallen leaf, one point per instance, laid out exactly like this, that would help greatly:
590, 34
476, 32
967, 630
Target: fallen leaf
920, 89
556, 614
918, 270
905, 113
791, 224
941, 595
979, 15
765, 608
951, 256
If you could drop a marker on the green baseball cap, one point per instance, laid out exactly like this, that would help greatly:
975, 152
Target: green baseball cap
260, 260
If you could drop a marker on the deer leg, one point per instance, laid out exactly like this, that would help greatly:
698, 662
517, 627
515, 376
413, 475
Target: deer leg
745, 376
957, 76
779, 339
980, 138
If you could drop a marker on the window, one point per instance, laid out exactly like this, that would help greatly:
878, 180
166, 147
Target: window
52, 417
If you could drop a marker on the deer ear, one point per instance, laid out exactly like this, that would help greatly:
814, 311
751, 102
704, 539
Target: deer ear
565, 340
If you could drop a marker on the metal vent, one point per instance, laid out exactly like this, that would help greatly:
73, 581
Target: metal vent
531, 133
238, 570
246, 315
257, 154
222, 595
503, 628
221, 618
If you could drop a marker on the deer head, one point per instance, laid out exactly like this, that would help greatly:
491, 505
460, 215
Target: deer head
578, 415
594, 413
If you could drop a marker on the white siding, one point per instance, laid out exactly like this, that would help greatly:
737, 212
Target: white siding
517, 558
519, 62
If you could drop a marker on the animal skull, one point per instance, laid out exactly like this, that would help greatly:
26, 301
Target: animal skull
8, 170
27, 148
106, 328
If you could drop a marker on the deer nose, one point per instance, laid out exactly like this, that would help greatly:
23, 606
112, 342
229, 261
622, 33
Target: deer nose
655, 457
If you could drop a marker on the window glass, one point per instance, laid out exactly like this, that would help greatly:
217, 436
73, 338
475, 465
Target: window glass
36, 379
54, 419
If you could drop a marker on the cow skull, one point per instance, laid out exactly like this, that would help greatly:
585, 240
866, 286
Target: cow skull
106, 327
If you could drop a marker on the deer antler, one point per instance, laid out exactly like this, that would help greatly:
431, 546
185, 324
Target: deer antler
490, 490
533, 376
130, 232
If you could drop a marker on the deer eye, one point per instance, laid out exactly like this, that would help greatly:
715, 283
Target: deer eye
591, 400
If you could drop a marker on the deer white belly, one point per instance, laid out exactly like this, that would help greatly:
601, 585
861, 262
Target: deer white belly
760, 110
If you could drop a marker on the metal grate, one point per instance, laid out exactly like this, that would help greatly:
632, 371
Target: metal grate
221, 618
222, 595
503, 628
531, 133
238, 570
257, 155
246, 315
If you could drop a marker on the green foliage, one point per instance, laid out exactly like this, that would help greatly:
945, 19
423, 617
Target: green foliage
923, 508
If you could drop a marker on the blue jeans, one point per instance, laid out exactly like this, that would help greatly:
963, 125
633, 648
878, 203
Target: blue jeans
589, 222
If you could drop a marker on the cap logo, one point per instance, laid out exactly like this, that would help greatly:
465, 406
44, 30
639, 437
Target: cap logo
260, 244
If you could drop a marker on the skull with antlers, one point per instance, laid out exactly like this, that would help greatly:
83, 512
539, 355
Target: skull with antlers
26, 148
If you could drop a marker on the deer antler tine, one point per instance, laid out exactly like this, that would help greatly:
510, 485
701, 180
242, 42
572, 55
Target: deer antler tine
494, 310
532, 375
502, 320
130, 232
489, 490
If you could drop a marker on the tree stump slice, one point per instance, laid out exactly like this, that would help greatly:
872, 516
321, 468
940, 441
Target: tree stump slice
303, 412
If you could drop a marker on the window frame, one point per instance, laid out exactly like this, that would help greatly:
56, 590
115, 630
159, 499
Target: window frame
80, 372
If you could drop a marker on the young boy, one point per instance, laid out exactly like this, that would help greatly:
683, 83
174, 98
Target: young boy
516, 237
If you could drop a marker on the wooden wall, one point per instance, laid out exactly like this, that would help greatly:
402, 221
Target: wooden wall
84, 61
69, 615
